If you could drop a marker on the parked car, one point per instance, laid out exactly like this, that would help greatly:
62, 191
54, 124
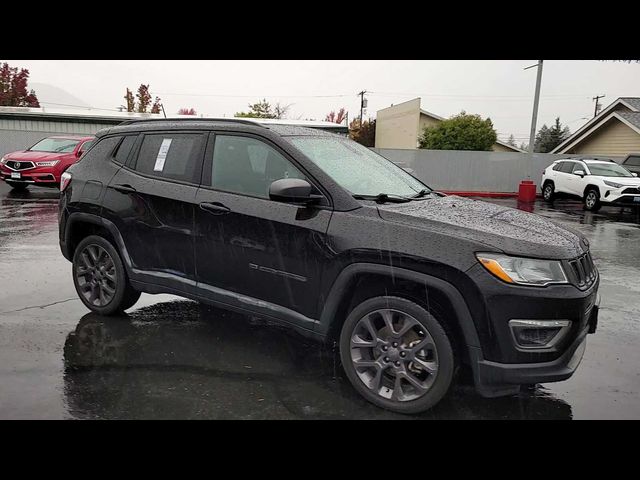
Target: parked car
632, 163
595, 182
317, 232
43, 163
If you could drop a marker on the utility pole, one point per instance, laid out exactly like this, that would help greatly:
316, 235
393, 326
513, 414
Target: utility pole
534, 117
361, 104
597, 109
527, 189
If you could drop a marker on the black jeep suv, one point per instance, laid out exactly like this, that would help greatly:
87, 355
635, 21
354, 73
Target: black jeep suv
313, 230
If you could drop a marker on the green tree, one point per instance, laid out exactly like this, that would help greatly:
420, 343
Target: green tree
365, 134
460, 132
263, 109
549, 138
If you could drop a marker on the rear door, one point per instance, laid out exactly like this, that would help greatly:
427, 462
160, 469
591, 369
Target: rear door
151, 201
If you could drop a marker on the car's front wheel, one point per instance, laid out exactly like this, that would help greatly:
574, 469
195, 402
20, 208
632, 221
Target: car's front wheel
396, 354
592, 200
100, 278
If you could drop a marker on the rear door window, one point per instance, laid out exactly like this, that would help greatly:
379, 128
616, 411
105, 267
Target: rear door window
171, 155
567, 167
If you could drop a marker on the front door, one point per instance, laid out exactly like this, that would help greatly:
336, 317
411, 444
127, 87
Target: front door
248, 244
151, 201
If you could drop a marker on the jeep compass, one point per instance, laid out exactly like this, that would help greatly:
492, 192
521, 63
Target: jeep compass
312, 230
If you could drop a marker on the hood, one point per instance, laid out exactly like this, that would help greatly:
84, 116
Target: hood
626, 181
35, 156
490, 226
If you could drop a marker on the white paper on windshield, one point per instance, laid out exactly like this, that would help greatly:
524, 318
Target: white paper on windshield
162, 155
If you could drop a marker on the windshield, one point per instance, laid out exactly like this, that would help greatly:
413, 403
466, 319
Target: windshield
357, 168
55, 145
608, 170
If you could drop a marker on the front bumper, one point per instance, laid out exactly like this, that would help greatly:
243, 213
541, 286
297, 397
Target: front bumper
494, 379
621, 196
45, 176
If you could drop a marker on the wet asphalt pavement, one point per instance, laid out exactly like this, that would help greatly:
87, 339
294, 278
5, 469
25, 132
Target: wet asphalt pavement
172, 358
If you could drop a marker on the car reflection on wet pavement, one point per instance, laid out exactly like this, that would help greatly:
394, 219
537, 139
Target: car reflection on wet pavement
172, 358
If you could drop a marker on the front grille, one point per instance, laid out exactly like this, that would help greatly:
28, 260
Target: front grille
632, 190
16, 165
583, 271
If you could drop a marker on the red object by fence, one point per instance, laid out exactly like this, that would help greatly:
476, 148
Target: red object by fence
527, 191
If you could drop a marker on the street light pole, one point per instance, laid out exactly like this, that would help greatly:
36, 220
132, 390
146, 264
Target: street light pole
527, 188
534, 117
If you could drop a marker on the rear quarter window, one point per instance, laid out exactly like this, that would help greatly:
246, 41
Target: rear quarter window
100, 150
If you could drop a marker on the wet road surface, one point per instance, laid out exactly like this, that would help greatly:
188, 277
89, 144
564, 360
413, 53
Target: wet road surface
172, 358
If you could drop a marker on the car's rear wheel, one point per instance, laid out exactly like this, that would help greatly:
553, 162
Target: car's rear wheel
396, 354
19, 187
100, 278
592, 200
548, 192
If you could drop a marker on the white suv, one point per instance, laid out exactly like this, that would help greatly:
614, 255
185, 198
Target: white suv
596, 182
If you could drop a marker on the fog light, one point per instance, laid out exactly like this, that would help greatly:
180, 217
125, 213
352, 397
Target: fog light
538, 334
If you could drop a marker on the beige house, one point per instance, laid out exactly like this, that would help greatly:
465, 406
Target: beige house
613, 132
399, 126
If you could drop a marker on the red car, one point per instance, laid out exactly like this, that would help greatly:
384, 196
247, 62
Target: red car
44, 163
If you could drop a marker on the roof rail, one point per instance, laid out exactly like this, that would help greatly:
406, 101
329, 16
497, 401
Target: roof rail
198, 119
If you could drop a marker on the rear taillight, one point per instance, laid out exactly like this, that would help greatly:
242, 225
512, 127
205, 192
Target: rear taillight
65, 180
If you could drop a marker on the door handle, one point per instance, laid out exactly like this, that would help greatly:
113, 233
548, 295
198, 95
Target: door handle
214, 207
124, 188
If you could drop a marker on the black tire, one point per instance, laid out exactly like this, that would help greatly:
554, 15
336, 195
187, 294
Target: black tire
18, 187
426, 324
123, 296
548, 192
591, 200
132, 297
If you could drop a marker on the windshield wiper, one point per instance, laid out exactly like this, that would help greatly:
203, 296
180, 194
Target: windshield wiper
383, 198
422, 193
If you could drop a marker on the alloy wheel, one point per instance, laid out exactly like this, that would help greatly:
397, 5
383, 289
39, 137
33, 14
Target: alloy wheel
591, 199
548, 190
96, 275
394, 355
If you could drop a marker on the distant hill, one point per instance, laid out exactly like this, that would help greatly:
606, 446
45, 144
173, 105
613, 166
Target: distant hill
50, 96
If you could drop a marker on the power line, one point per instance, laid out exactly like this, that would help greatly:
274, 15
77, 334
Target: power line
246, 96
84, 107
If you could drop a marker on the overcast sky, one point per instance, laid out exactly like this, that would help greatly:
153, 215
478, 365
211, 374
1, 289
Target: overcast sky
499, 89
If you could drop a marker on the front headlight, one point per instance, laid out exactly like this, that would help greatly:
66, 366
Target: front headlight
523, 271
613, 184
3, 160
49, 163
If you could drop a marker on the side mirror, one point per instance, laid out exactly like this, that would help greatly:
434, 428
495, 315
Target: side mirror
292, 190
579, 172
634, 174
79, 153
